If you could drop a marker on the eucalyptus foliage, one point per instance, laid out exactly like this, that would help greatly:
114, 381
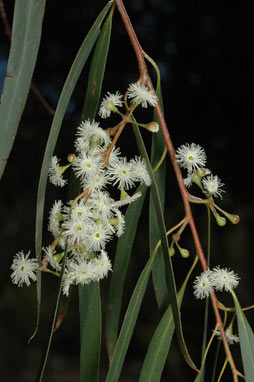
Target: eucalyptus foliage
81, 226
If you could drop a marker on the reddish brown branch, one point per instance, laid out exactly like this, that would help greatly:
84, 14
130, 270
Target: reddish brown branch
185, 195
35, 90
42, 100
5, 20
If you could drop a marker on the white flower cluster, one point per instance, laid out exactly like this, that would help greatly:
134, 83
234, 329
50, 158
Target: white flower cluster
193, 158
139, 95
92, 141
218, 279
87, 223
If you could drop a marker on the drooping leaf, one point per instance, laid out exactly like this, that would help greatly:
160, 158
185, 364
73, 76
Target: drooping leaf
158, 272
53, 321
26, 36
246, 341
206, 313
121, 262
97, 70
89, 296
90, 331
165, 249
129, 323
63, 102
160, 343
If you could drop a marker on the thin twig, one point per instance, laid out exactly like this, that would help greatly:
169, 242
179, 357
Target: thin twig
5, 20
185, 196
42, 100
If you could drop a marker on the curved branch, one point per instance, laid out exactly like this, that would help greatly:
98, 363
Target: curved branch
185, 196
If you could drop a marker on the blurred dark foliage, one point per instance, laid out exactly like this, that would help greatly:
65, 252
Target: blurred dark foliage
205, 55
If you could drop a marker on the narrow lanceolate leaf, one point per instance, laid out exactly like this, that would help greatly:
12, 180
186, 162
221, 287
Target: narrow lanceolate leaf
45, 354
158, 272
129, 323
64, 99
26, 35
89, 296
97, 70
63, 102
159, 346
121, 262
164, 245
246, 341
90, 331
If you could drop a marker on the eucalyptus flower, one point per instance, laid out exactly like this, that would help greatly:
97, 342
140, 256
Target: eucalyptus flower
191, 156
203, 285
140, 94
23, 269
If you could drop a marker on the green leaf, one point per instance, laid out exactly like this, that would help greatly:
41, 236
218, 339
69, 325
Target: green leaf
159, 346
129, 323
97, 70
89, 296
46, 350
164, 244
90, 331
160, 343
26, 35
246, 341
158, 272
63, 102
123, 253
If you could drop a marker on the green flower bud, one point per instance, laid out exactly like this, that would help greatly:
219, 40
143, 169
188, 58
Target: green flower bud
233, 218
220, 220
184, 253
71, 158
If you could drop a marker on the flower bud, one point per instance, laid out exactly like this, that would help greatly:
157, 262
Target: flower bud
220, 220
183, 252
71, 158
153, 127
233, 218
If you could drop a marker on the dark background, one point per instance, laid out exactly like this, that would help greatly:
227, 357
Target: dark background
205, 54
